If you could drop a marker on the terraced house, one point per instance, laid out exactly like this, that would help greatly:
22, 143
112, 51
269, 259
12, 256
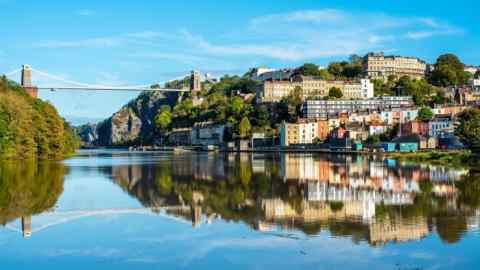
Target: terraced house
312, 87
379, 66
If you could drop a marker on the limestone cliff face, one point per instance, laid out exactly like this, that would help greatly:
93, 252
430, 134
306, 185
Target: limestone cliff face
133, 124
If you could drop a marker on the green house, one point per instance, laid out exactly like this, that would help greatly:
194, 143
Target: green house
407, 147
357, 147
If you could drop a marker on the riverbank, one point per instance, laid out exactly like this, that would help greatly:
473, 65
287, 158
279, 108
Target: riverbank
451, 158
457, 158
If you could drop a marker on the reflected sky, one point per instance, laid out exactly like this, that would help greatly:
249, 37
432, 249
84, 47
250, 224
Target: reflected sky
115, 210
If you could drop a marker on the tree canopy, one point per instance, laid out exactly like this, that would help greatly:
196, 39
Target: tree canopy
425, 114
309, 69
468, 129
163, 120
347, 69
448, 71
245, 128
31, 128
335, 92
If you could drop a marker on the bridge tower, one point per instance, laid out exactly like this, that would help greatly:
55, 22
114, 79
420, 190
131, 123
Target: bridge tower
27, 226
26, 81
195, 85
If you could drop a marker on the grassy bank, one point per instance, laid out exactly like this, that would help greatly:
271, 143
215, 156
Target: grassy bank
459, 158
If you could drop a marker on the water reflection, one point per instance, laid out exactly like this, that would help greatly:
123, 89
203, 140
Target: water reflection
366, 198
28, 188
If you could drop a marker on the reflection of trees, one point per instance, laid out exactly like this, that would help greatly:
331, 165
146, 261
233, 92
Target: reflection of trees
28, 188
469, 190
451, 228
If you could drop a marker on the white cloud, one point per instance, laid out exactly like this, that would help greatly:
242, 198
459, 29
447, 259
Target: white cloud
308, 34
104, 42
181, 58
294, 36
85, 12
147, 35
419, 34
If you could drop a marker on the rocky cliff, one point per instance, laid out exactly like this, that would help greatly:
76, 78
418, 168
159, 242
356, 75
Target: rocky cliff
133, 124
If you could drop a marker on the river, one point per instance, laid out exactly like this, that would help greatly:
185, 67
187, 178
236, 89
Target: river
121, 210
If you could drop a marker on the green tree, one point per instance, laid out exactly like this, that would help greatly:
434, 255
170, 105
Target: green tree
336, 68
244, 128
373, 139
237, 105
380, 88
468, 129
163, 119
477, 74
31, 128
309, 69
449, 70
425, 114
335, 92
261, 116
324, 74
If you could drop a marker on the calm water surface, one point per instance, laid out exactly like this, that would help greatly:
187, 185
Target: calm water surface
115, 210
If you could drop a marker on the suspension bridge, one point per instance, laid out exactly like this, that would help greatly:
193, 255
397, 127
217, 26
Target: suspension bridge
27, 72
53, 218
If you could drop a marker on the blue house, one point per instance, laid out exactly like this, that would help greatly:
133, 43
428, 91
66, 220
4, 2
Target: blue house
389, 147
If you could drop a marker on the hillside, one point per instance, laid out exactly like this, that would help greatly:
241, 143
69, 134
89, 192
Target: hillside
31, 128
133, 124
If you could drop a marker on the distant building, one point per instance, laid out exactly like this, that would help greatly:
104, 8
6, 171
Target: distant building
415, 127
422, 141
303, 132
207, 133
317, 109
398, 115
440, 124
379, 66
180, 136
314, 87
377, 129
269, 74
471, 69
475, 83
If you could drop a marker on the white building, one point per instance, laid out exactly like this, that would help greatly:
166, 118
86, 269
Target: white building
377, 129
472, 69
315, 109
475, 83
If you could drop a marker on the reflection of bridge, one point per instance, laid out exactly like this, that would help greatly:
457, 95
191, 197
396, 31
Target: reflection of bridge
26, 82
61, 217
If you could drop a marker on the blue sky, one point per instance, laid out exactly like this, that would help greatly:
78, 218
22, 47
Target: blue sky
139, 42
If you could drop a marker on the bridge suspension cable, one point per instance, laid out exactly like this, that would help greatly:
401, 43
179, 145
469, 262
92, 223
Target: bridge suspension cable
93, 86
13, 72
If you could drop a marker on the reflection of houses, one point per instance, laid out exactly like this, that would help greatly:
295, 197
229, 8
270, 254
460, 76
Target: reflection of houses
362, 173
277, 210
207, 134
300, 168
318, 191
397, 229
380, 230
